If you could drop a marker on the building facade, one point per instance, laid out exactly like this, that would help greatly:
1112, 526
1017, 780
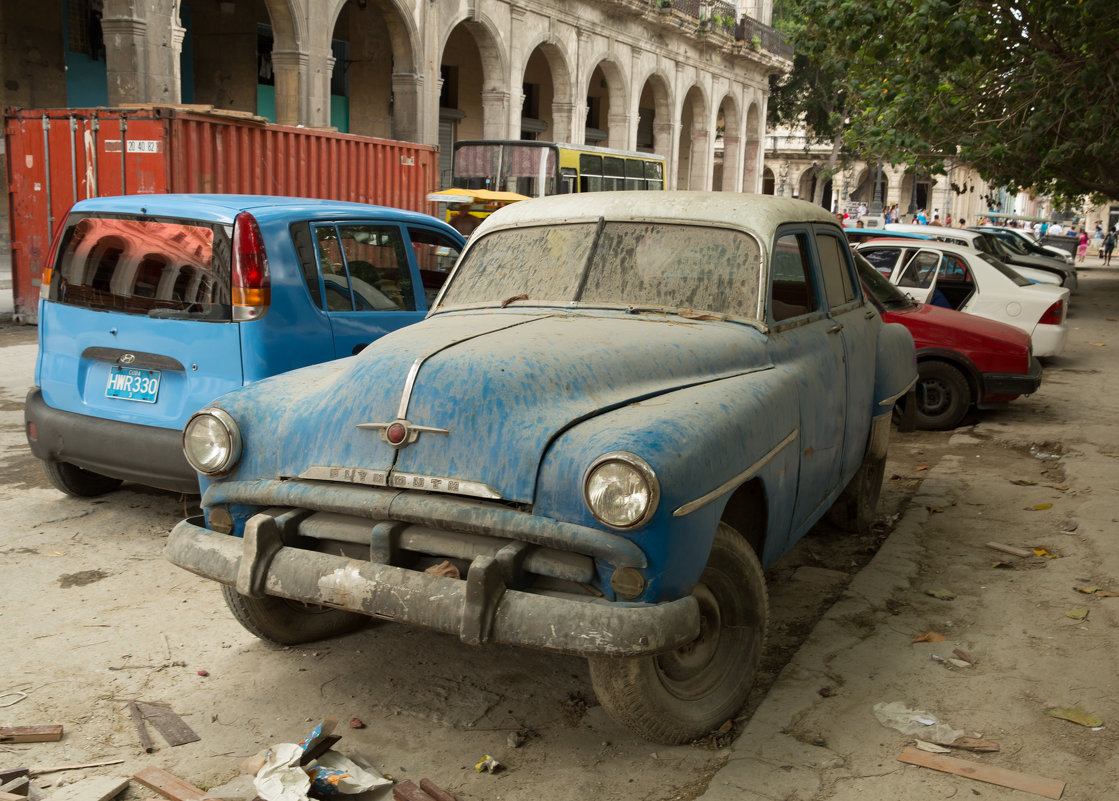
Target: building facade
686, 79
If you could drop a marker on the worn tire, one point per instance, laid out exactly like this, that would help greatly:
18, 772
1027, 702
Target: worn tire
286, 622
855, 508
943, 396
78, 482
684, 694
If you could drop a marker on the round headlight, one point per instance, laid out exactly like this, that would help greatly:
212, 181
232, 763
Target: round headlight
621, 490
212, 442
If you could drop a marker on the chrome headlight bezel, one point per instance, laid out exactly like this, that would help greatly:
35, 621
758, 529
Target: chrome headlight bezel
641, 469
231, 447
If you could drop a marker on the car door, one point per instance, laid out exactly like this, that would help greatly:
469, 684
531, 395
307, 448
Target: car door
808, 342
858, 333
368, 283
917, 275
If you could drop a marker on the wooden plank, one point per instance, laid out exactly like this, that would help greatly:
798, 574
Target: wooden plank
12, 797
408, 791
435, 791
7, 774
167, 723
1038, 785
31, 734
168, 786
17, 785
95, 788
56, 768
141, 729
1010, 549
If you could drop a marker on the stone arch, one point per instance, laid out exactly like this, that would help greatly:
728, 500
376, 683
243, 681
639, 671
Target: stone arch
556, 103
385, 98
473, 98
769, 182
694, 141
656, 123
805, 188
614, 112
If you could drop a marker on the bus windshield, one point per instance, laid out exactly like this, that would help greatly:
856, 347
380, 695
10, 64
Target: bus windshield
523, 167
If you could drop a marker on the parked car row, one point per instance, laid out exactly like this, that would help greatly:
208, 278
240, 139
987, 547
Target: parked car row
599, 426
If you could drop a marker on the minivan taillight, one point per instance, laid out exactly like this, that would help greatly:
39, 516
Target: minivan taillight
1054, 315
252, 287
48, 268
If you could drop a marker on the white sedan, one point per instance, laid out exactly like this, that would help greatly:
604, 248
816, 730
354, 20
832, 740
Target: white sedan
966, 280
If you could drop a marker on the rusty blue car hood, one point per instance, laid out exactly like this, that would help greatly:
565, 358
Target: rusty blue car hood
488, 391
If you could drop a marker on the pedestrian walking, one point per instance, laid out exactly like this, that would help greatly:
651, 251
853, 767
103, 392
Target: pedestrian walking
1082, 246
1108, 248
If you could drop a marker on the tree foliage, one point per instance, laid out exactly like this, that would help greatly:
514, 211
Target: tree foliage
1025, 91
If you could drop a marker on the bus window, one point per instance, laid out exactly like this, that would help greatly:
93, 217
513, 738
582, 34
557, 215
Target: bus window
654, 174
476, 166
614, 169
635, 174
590, 173
529, 170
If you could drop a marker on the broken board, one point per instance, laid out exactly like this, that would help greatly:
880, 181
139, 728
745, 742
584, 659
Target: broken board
1039, 785
169, 786
167, 723
31, 734
95, 788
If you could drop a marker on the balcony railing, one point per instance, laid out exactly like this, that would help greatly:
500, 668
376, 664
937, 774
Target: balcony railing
720, 17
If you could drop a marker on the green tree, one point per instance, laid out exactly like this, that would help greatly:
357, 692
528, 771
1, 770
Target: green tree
1025, 91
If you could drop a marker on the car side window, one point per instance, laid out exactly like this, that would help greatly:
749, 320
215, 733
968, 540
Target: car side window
308, 265
836, 268
791, 274
954, 269
364, 268
435, 255
921, 270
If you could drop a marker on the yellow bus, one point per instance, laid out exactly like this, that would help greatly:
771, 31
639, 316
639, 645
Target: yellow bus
536, 169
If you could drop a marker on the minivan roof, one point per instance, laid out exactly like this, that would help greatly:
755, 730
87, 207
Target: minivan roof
224, 208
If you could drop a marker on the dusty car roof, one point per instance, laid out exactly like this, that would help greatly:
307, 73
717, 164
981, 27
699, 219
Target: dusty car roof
758, 214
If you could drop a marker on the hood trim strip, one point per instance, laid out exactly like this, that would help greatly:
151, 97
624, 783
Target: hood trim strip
738, 480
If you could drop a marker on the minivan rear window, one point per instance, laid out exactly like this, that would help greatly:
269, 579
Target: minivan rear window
152, 267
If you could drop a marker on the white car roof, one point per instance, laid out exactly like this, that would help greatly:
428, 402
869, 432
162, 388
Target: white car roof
757, 214
935, 230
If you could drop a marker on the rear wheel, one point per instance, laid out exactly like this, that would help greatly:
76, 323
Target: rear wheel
684, 694
943, 396
78, 482
287, 622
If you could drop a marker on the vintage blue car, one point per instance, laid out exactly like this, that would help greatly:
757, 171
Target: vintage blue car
622, 406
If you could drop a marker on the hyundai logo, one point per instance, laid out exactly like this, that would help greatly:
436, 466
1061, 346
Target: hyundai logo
127, 358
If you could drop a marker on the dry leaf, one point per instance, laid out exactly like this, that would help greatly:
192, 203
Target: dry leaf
922, 467
444, 569
1079, 613
964, 655
930, 636
1039, 508
1076, 715
1107, 594
1041, 550
1087, 590
941, 594
934, 509
1098, 344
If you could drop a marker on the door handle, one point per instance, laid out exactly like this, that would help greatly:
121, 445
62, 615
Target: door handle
835, 328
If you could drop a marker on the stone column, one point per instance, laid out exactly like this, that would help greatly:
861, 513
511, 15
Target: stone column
699, 172
665, 143
495, 114
124, 57
320, 66
622, 134
752, 157
563, 121
407, 102
732, 147
289, 69
142, 47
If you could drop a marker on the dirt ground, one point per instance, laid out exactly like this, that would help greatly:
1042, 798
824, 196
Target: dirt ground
92, 616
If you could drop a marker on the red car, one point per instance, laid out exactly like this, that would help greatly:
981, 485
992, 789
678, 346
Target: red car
962, 360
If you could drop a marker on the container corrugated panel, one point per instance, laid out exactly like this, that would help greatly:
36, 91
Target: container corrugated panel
59, 156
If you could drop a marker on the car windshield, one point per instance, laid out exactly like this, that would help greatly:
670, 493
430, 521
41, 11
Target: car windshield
638, 264
1009, 272
1011, 243
880, 288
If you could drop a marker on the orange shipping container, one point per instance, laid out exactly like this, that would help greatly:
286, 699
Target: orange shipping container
59, 156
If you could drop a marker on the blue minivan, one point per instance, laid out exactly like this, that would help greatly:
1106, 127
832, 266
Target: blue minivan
154, 305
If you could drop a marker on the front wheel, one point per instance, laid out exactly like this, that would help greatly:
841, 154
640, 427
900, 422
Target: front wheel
678, 696
286, 622
854, 509
78, 482
943, 396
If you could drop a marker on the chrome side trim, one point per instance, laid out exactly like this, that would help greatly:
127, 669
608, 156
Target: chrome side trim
738, 480
893, 398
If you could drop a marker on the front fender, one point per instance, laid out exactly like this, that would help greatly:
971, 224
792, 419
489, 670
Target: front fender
895, 367
699, 441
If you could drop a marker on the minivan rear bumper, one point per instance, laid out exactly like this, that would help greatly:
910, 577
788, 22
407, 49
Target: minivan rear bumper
144, 454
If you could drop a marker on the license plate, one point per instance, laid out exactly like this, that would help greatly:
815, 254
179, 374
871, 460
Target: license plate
133, 383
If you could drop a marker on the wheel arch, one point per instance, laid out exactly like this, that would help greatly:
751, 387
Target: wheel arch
960, 362
747, 512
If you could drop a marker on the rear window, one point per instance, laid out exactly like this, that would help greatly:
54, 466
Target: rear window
152, 267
